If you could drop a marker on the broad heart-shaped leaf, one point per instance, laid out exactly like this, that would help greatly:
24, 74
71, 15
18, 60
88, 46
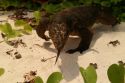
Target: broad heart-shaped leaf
28, 29
116, 73
1, 71
55, 77
8, 31
19, 23
15, 33
6, 28
89, 75
38, 80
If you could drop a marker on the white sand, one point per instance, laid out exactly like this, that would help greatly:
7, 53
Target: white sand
67, 64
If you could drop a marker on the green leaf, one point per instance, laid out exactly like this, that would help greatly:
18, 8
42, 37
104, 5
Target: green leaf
4, 3
97, 1
12, 34
6, 28
89, 75
1, 71
15, 3
1, 27
67, 4
28, 29
8, 31
20, 23
52, 8
55, 77
106, 3
37, 15
122, 16
38, 80
115, 1
116, 73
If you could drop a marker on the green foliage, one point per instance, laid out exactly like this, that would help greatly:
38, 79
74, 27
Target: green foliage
11, 33
89, 75
19, 23
8, 31
86, 2
122, 16
55, 77
106, 3
1, 71
115, 1
28, 28
37, 16
4, 3
38, 80
116, 73
30, 4
118, 6
67, 4
52, 8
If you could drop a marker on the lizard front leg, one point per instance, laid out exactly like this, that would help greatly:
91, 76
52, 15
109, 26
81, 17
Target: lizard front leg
86, 38
42, 28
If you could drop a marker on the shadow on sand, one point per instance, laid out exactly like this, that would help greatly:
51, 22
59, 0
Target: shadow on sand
69, 65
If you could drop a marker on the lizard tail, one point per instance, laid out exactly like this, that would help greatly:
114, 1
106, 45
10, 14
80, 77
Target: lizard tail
58, 53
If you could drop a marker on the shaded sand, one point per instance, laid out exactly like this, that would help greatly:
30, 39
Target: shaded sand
99, 53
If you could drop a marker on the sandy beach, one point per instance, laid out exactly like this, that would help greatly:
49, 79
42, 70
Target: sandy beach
100, 53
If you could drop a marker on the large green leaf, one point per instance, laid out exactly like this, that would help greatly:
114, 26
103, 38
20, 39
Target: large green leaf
55, 77
1, 71
8, 31
37, 15
20, 23
89, 75
28, 29
14, 34
38, 80
116, 73
6, 28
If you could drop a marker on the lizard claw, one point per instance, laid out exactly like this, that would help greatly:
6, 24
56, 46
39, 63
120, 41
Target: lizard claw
47, 38
71, 51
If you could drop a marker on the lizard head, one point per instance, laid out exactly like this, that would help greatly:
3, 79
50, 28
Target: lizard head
59, 34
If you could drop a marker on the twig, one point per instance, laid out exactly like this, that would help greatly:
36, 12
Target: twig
38, 45
44, 60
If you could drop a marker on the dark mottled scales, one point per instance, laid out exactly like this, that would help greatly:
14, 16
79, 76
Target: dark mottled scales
78, 20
